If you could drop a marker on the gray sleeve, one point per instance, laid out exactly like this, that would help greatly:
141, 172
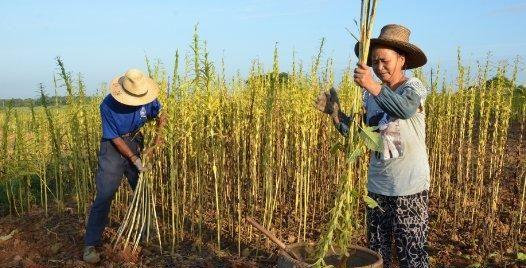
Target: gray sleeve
402, 105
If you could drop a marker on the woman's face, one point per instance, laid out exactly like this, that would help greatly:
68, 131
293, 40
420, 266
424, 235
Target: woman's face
387, 64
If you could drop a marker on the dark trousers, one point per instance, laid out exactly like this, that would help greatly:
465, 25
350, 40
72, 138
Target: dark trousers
402, 219
112, 167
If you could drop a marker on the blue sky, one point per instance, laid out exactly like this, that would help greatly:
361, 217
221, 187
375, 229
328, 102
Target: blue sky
101, 39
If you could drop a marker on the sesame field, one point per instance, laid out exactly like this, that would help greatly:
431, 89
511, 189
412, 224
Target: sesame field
256, 147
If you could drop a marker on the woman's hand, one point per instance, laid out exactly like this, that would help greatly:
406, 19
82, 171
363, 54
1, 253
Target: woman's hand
364, 78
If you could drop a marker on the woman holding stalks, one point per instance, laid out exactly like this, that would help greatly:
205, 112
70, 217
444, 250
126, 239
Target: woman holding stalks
131, 103
399, 176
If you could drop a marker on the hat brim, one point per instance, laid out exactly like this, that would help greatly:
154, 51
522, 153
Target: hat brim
122, 96
414, 56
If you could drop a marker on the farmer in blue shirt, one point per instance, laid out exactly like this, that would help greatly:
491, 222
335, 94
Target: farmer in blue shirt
131, 103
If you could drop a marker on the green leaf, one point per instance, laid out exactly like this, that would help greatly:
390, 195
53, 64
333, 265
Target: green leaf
475, 265
521, 257
372, 139
355, 154
371, 203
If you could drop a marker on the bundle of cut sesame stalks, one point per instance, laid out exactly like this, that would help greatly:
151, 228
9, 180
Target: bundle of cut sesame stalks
366, 27
141, 216
340, 228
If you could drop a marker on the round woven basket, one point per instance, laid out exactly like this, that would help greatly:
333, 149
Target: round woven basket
358, 257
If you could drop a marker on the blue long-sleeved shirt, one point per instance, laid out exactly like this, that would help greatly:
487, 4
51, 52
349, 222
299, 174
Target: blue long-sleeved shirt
395, 105
401, 106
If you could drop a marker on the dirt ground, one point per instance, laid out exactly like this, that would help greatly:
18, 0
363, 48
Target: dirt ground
56, 241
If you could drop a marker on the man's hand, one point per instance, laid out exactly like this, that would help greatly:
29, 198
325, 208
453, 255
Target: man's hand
329, 103
137, 162
364, 78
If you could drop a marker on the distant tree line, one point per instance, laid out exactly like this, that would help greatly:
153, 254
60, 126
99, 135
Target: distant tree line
520, 92
282, 77
28, 102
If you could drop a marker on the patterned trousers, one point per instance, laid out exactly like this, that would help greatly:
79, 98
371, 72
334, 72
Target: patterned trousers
405, 219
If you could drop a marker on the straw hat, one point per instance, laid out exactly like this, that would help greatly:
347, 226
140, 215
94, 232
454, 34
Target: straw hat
397, 36
134, 88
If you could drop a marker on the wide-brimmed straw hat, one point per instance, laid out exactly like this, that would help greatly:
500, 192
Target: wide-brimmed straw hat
134, 88
397, 37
